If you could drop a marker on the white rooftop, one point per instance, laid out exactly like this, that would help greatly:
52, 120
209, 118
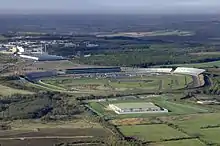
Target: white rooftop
189, 71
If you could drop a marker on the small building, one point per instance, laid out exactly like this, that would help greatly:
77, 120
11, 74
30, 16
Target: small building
138, 107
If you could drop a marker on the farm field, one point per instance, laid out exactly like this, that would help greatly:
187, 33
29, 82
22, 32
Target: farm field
148, 34
205, 53
33, 124
203, 125
185, 142
6, 91
47, 142
134, 121
152, 133
199, 65
134, 84
36, 133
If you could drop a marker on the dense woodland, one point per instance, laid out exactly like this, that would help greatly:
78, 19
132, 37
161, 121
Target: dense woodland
42, 105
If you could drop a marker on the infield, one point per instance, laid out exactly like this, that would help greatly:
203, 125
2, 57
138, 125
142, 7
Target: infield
136, 84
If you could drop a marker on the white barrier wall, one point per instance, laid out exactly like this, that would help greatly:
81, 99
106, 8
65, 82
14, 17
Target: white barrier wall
29, 57
189, 71
156, 70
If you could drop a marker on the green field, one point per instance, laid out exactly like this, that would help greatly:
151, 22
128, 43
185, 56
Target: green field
150, 33
200, 65
157, 132
5, 91
185, 142
192, 124
129, 84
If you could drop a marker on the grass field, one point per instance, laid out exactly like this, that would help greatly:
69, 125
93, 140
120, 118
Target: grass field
152, 33
5, 91
205, 53
192, 124
199, 65
37, 133
185, 142
155, 132
33, 124
134, 84
48, 142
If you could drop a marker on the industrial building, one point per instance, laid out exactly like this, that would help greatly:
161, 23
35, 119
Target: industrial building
138, 107
92, 70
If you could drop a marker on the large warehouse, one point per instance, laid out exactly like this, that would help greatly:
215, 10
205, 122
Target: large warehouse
138, 107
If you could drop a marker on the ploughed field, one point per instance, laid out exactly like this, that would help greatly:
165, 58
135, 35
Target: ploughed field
51, 136
151, 83
35, 133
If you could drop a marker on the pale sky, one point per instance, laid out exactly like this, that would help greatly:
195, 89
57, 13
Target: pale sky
111, 6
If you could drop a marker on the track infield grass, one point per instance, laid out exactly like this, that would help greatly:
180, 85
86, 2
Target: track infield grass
146, 83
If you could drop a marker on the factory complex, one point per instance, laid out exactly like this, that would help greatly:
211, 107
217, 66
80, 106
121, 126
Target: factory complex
37, 53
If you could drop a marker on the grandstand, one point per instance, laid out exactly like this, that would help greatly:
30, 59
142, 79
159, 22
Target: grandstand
42, 57
155, 70
189, 71
37, 75
148, 70
198, 77
93, 70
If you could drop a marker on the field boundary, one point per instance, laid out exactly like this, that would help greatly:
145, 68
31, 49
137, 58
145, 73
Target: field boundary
181, 130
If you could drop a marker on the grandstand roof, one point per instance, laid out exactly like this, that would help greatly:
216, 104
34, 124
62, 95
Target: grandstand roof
189, 71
